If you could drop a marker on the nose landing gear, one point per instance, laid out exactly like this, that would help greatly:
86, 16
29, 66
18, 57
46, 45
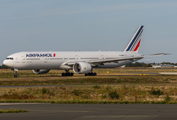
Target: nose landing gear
67, 73
15, 73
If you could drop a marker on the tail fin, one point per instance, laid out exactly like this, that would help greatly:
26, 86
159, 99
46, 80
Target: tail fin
134, 43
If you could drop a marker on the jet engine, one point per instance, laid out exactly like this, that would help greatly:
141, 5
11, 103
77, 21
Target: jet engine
82, 68
41, 71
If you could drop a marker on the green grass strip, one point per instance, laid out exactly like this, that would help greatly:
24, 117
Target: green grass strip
87, 102
13, 111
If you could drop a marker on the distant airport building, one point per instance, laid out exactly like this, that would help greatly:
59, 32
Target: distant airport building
164, 66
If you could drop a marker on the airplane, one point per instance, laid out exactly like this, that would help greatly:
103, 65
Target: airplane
81, 62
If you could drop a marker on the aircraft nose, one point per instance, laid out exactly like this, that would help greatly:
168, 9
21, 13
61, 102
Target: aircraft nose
7, 63
4, 62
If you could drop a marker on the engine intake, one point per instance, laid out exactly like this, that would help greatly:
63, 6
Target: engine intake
82, 68
41, 71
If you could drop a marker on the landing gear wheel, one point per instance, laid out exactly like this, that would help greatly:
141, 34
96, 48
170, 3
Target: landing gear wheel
67, 73
15, 73
91, 74
63, 74
71, 74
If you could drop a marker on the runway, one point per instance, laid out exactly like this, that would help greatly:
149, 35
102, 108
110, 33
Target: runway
90, 111
136, 74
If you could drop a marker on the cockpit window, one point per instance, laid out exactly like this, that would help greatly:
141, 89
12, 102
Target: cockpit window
10, 58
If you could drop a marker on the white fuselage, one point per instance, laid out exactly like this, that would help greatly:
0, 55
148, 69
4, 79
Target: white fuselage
80, 62
57, 60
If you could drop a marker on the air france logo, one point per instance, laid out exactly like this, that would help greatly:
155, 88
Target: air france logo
40, 55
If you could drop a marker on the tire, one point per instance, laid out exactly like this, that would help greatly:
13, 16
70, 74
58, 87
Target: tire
63, 74
71, 74
16, 75
67, 74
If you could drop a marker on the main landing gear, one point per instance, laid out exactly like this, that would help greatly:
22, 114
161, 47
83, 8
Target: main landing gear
91, 74
67, 73
15, 73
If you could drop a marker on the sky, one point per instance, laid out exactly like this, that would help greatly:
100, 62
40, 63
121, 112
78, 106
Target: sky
88, 25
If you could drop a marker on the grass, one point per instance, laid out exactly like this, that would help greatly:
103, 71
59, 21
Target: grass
115, 76
121, 93
86, 80
13, 111
156, 92
114, 95
96, 87
167, 98
106, 88
87, 102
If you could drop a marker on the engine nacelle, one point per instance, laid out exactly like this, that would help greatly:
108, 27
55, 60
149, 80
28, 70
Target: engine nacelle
41, 71
82, 68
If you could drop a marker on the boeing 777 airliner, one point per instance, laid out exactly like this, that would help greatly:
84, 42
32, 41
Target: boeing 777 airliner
80, 62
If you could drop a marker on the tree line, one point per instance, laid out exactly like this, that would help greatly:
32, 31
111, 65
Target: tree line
142, 64
138, 64
4, 67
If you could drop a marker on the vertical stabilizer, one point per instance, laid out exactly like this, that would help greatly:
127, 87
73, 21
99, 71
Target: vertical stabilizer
134, 43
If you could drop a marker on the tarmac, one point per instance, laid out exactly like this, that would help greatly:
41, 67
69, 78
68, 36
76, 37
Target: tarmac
90, 111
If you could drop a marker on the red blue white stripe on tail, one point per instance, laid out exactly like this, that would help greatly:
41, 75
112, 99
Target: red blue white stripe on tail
134, 43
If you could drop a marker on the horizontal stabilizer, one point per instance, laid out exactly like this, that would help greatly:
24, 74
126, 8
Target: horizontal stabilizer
151, 55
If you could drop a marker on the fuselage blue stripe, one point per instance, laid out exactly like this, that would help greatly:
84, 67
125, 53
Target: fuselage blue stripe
136, 41
134, 38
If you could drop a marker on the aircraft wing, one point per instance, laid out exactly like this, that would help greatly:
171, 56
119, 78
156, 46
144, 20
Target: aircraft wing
96, 62
114, 60
127, 58
93, 62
